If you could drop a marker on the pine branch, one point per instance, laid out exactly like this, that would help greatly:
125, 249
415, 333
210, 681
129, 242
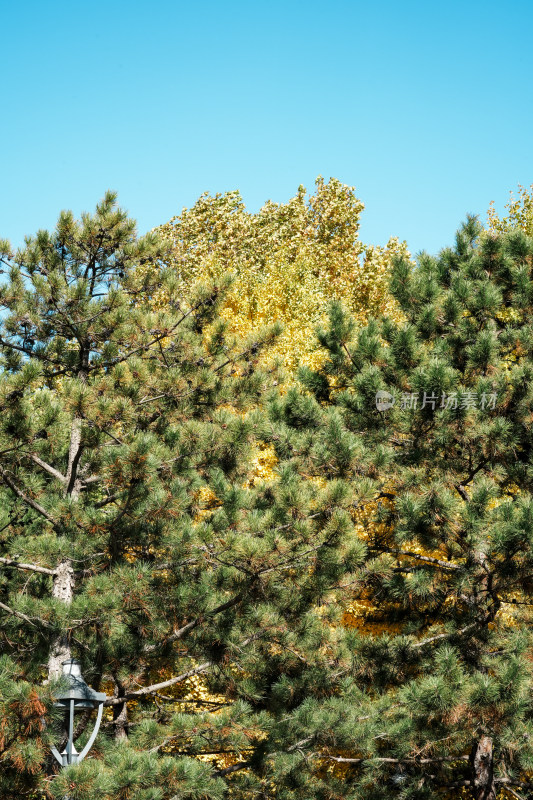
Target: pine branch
36, 507
148, 345
240, 355
25, 617
473, 472
8, 562
440, 636
515, 794
31, 354
385, 760
462, 492
113, 701
51, 470
419, 557
24, 350
193, 624
348, 354
226, 771
108, 500
123, 511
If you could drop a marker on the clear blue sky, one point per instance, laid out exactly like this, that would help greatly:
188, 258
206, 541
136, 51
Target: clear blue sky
425, 107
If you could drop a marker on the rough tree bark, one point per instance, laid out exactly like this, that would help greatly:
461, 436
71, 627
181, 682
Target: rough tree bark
482, 766
63, 585
62, 589
120, 714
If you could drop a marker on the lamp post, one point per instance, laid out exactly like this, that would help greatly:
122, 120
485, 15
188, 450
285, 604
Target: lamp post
78, 697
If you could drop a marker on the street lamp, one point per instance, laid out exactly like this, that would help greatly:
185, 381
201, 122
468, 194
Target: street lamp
78, 697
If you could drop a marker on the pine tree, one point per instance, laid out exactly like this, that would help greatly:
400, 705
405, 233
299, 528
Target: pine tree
440, 704
132, 537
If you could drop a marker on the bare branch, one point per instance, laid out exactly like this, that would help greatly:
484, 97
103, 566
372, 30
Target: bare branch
227, 771
384, 760
152, 399
8, 562
91, 479
300, 744
108, 500
51, 470
419, 557
515, 794
113, 701
440, 636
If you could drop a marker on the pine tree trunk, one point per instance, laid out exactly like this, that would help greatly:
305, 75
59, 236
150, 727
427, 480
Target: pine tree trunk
482, 767
63, 586
63, 589
120, 715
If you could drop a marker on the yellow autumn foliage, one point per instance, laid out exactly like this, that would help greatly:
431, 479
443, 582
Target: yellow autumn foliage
288, 262
520, 213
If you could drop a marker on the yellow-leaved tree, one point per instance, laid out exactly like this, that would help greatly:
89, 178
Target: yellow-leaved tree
520, 214
288, 262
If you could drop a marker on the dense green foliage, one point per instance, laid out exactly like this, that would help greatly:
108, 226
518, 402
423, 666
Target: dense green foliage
443, 702
24, 740
133, 538
136, 536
